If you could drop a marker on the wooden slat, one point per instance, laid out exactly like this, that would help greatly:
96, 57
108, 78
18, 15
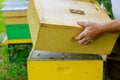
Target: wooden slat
16, 20
13, 13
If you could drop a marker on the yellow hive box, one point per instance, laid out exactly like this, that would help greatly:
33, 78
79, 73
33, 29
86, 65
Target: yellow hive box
43, 65
53, 25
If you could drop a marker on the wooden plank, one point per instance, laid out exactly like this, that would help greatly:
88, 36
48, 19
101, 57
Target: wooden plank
16, 20
59, 12
14, 14
33, 21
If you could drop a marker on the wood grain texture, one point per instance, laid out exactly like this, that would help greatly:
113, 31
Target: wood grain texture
14, 13
15, 17
58, 12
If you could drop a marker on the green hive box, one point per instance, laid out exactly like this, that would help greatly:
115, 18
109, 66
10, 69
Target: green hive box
18, 31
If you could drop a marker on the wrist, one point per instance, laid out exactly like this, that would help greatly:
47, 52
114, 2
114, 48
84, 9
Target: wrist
106, 27
103, 28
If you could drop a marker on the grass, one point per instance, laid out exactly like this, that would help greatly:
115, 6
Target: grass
11, 71
2, 25
107, 5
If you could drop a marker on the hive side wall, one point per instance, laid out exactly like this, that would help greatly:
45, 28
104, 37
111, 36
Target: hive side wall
33, 21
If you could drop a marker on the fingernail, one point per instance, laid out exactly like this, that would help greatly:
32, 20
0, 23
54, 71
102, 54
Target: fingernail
84, 44
79, 42
76, 38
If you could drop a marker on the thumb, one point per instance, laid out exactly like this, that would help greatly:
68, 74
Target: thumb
84, 24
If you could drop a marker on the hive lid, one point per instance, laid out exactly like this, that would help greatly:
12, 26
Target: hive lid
12, 8
68, 12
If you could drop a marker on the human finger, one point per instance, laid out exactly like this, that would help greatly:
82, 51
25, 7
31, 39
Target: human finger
82, 41
80, 36
84, 24
87, 42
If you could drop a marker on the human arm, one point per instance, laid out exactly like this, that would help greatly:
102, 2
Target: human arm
93, 30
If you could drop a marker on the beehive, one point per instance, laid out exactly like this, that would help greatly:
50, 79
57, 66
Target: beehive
53, 25
43, 65
14, 13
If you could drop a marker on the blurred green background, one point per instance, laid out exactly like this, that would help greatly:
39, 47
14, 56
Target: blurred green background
2, 26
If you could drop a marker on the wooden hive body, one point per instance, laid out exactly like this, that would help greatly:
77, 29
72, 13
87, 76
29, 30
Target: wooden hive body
53, 25
14, 13
70, 67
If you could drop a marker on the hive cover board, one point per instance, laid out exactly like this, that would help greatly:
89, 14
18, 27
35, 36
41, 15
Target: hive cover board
53, 26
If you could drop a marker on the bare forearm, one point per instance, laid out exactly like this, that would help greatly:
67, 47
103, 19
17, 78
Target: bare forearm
112, 27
